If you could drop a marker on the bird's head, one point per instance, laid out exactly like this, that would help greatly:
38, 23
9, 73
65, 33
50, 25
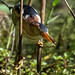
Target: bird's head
44, 33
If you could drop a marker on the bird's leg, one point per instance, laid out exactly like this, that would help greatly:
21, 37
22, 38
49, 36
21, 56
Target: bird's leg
40, 43
20, 63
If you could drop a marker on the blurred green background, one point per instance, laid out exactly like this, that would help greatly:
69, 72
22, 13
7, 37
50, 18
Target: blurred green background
55, 60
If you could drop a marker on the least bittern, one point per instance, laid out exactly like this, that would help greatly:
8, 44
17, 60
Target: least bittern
33, 29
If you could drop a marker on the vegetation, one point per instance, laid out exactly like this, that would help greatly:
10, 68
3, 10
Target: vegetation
55, 60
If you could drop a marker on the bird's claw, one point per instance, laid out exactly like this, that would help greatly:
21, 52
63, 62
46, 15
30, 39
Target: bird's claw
40, 43
20, 63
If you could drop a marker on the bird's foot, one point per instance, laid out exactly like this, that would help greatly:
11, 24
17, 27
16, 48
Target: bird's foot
20, 63
40, 43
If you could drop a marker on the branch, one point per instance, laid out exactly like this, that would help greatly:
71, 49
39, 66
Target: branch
42, 14
20, 36
30, 2
73, 14
42, 11
10, 7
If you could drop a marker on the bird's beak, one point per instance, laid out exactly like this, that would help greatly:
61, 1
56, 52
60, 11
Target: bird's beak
46, 36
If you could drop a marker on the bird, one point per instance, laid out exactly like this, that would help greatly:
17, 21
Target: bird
33, 29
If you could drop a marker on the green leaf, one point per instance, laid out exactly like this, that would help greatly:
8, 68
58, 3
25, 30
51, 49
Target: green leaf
65, 55
55, 2
52, 19
44, 63
4, 8
29, 56
33, 63
51, 12
43, 73
58, 57
1, 49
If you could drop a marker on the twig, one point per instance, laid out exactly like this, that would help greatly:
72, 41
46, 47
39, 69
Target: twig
65, 63
11, 50
30, 2
12, 44
10, 7
73, 14
20, 36
42, 14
